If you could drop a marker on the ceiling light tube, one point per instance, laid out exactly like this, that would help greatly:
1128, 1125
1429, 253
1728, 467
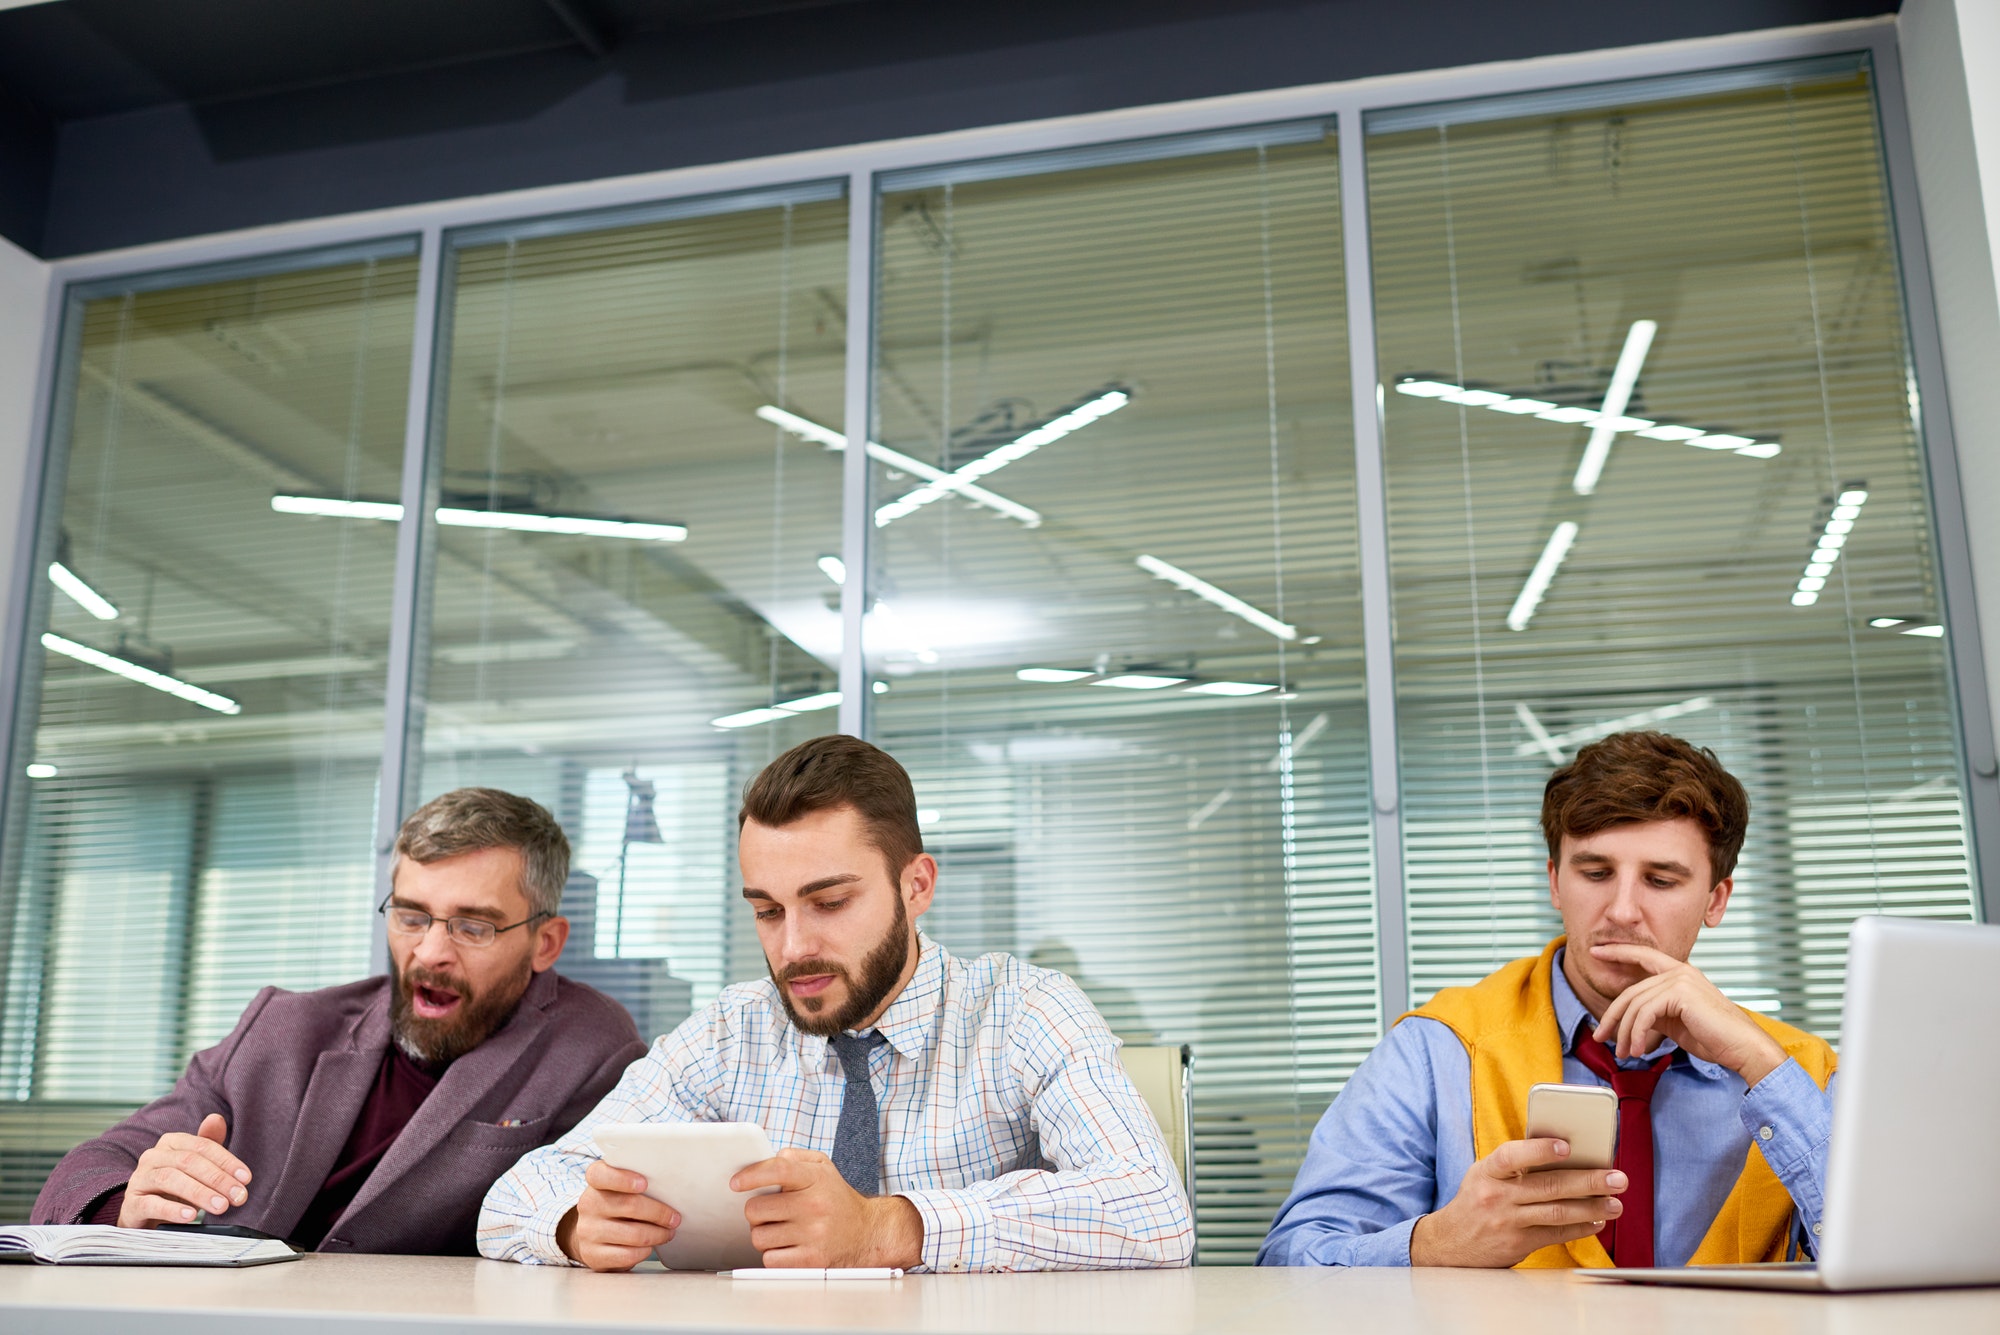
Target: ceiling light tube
1834, 532
807, 429
1139, 681
1595, 418
583, 526
80, 593
145, 676
1638, 341
1052, 674
1539, 578
1232, 688
1228, 602
1103, 405
834, 569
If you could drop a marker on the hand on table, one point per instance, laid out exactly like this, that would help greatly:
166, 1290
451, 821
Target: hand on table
183, 1174
614, 1225
1505, 1209
816, 1219
1677, 1001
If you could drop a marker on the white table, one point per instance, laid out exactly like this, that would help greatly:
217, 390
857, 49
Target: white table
402, 1295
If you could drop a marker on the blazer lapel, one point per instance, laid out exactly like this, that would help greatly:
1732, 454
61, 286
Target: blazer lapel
467, 1081
340, 1083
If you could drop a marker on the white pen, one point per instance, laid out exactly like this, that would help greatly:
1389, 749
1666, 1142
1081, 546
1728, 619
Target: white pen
858, 1272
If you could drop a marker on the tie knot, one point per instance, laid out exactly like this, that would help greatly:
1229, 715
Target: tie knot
853, 1050
1637, 1083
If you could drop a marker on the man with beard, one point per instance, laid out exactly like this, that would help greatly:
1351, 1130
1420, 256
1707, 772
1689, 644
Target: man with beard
373, 1116
930, 1113
1724, 1114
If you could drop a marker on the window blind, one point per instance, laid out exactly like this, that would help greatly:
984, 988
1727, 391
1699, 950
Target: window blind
1756, 574
1131, 701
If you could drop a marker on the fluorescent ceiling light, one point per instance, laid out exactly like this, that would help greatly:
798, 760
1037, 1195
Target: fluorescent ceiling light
1611, 420
145, 676
1928, 632
805, 704
1052, 674
1645, 718
1134, 681
1832, 539
80, 593
835, 568
1110, 401
41, 770
1599, 420
1545, 569
928, 816
582, 526
807, 429
1231, 688
1228, 602
1542, 741
1885, 623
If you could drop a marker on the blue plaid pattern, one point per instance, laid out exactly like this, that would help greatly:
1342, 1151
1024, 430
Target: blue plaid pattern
1006, 1120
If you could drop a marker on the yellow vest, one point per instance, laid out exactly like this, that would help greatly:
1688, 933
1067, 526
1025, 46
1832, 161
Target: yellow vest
1507, 1022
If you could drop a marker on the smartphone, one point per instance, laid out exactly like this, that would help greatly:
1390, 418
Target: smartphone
1584, 1115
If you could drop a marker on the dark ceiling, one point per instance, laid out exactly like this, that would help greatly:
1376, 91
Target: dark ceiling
126, 121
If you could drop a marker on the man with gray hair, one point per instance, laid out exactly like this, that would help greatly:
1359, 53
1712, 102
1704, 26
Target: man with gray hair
373, 1116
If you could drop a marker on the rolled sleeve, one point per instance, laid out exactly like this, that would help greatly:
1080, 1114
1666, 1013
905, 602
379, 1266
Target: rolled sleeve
1790, 1121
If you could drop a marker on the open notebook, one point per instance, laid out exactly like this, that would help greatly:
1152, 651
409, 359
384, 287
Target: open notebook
97, 1244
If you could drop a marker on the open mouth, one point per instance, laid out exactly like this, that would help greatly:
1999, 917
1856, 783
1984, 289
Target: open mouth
433, 1003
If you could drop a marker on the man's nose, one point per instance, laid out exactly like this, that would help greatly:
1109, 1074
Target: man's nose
1625, 902
435, 947
797, 940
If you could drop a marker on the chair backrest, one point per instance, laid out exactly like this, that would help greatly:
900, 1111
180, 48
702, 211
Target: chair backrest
1163, 1076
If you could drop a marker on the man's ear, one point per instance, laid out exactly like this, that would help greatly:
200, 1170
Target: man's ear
919, 884
1554, 902
550, 938
1718, 900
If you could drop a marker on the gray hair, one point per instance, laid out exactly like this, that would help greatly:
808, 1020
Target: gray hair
467, 820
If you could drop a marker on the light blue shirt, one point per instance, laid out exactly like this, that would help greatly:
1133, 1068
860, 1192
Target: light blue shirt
1398, 1140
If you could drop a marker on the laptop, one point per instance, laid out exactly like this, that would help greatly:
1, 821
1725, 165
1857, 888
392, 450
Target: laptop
1913, 1176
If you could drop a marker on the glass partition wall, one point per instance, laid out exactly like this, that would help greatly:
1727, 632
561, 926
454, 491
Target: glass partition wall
1649, 455
1653, 461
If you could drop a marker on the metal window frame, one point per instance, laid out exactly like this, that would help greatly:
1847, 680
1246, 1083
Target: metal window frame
863, 168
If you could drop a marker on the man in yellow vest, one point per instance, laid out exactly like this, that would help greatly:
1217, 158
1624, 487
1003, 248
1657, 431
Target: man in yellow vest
1724, 1114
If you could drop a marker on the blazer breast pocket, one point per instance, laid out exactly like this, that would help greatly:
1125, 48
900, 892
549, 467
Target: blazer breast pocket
514, 1137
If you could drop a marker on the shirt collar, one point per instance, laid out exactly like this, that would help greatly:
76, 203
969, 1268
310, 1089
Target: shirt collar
1570, 1015
913, 1015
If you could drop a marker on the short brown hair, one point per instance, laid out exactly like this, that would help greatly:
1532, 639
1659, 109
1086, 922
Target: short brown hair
1631, 777
839, 771
467, 820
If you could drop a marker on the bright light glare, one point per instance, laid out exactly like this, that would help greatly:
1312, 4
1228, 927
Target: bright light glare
1207, 592
1540, 577
1052, 674
928, 816
1426, 389
1852, 498
330, 507
1139, 682
145, 676
749, 718
1638, 341
807, 704
835, 568
1928, 632
1839, 524
1048, 433
1521, 407
1884, 623
1671, 432
41, 770
1231, 688
1604, 422
89, 599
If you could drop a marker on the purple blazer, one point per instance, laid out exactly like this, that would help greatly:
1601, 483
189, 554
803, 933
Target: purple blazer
291, 1080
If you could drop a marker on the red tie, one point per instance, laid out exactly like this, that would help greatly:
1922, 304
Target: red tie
1629, 1238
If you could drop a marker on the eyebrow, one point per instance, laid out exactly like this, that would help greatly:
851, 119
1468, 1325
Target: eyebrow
1600, 860
490, 915
810, 887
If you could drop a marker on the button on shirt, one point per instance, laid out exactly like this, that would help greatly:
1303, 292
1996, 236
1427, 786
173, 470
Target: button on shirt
1398, 1140
1007, 1120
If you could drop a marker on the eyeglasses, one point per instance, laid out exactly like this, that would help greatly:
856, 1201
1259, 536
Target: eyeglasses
466, 931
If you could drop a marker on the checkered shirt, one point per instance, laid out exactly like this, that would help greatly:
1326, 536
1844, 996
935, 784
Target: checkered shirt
1007, 1120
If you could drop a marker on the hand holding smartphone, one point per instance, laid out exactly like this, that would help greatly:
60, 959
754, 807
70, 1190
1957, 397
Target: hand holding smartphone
1584, 1115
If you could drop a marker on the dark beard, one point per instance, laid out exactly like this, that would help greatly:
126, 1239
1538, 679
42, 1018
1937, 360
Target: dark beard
479, 1017
880, 969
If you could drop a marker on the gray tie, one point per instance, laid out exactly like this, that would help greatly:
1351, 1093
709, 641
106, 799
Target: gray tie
857, 1142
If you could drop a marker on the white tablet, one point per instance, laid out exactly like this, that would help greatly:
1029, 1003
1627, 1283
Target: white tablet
688, 1165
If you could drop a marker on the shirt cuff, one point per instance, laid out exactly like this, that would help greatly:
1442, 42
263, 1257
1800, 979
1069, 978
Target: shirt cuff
1790, 1121
1386, 1247
958, 1231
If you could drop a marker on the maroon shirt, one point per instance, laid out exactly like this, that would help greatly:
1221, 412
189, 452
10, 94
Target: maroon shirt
401, 1086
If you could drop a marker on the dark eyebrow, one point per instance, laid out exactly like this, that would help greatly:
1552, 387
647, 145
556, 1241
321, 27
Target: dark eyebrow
490, 915
1678, 869
810, 887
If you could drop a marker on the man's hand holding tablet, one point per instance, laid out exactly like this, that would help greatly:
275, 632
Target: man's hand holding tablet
614, 1224
816, 1219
